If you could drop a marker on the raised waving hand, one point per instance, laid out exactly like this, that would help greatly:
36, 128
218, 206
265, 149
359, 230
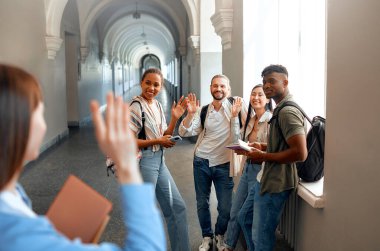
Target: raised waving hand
193, 103
178, 109
236, 106
116, 139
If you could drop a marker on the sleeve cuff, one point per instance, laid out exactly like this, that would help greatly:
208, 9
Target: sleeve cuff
138, 199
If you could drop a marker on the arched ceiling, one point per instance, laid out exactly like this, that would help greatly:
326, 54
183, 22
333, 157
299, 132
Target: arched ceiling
120, 34
126, 36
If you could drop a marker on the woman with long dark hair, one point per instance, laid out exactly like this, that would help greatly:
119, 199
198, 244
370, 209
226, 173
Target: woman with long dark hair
255, 129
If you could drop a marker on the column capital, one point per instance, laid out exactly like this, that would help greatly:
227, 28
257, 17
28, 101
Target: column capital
101, 56
83, 54
53, 44
194, 42
222, 21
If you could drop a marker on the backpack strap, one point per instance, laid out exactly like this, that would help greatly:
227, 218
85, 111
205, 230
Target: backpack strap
277, 112
141, 134
289, 103
247, 120
203, 115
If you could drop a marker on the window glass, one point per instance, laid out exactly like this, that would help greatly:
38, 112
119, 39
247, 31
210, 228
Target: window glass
291, 33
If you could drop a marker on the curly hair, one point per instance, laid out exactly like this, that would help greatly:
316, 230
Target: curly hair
274, 68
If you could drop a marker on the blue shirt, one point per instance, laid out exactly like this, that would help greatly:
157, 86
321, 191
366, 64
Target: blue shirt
141, 218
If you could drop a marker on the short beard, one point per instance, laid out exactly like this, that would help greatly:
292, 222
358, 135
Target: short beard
216, 98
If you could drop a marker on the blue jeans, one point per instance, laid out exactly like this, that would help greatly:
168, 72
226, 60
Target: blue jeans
247, 180
154, 170
259, 217
204, 176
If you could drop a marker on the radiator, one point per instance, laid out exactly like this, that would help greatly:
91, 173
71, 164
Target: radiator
287, 226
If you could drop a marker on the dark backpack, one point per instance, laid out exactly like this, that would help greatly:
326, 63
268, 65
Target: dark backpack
312, 168
141, 134
204, 112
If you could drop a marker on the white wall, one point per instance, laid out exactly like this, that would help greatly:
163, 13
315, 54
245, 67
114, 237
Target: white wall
23, 44
95, 77
25, 47
210, 51
350, 219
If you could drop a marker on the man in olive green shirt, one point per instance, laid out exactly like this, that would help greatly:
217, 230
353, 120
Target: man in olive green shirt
262, 209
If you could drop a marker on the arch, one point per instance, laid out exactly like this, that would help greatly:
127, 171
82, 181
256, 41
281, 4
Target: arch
192, 10
113, 29
54, 11
149, 60
127, 30
96, 11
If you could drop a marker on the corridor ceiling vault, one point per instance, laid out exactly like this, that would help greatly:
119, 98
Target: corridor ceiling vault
160, 27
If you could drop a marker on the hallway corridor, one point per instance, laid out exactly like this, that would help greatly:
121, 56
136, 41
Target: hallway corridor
78, 154
79, 50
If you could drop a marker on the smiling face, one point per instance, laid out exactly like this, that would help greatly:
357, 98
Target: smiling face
150, 86
36, 133
220, 88
258, 99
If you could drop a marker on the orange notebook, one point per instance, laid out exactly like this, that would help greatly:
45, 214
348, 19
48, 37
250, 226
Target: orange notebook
79, 211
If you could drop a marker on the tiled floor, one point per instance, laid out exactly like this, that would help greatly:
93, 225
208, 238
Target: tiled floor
79, 155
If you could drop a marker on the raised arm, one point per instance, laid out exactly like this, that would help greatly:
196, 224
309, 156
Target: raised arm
236, 107
192, 107
116, 139
176, 112
191, 126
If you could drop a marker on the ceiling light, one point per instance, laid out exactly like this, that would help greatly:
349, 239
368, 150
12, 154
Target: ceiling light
137, 14
143, 33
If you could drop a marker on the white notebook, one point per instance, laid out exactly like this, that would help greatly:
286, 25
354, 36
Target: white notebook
240, 145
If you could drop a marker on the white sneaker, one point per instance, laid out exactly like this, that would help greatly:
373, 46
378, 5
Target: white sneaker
206, 244
219, 239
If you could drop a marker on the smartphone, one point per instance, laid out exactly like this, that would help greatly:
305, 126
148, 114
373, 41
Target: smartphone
175, 138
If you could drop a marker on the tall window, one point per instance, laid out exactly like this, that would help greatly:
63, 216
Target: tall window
291, 33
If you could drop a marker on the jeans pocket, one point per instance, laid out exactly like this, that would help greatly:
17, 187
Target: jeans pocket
197, 161
147, 154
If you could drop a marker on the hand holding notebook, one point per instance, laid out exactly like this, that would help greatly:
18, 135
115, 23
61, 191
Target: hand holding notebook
78, 211
240, 145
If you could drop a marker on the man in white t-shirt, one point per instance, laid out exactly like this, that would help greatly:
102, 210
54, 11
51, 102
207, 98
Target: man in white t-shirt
213, 162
